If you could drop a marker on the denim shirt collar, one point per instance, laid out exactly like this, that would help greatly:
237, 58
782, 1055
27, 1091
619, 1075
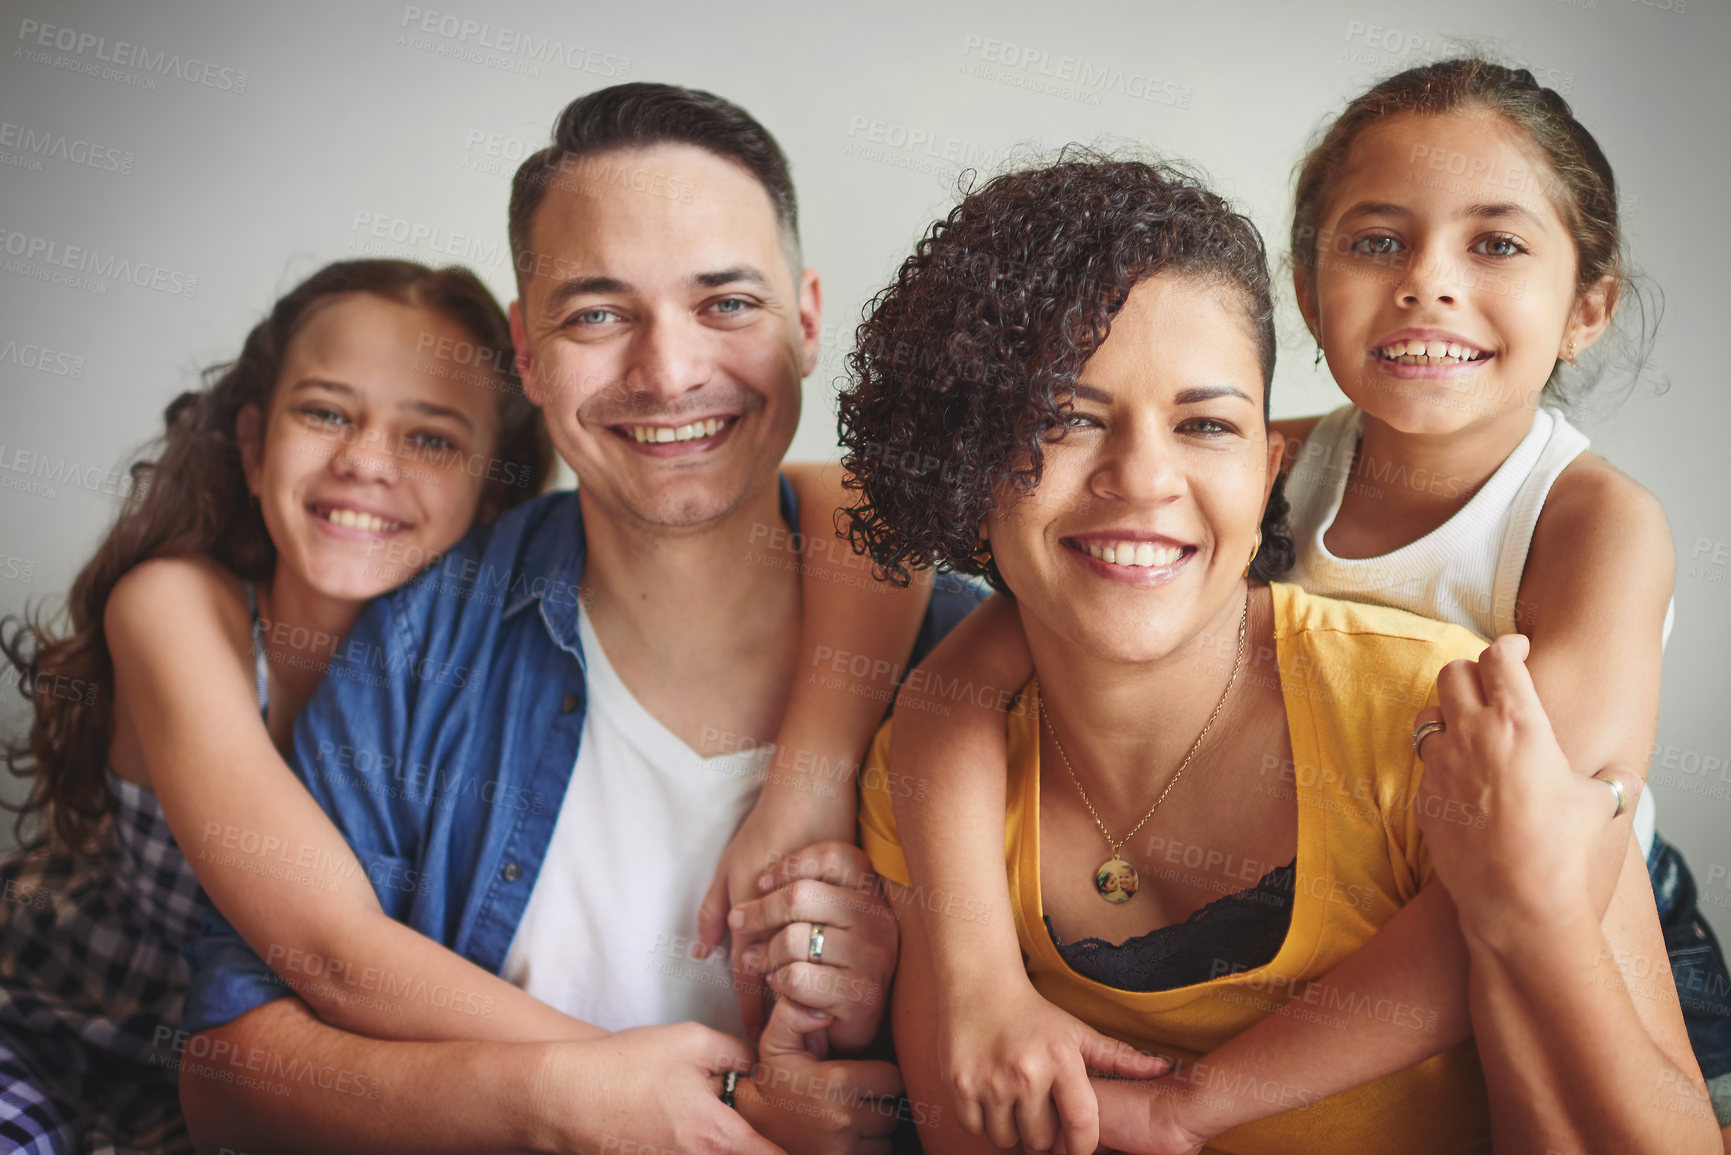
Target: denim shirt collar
557, 559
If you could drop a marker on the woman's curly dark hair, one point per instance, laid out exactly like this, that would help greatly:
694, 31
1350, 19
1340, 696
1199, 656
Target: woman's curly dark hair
964, 365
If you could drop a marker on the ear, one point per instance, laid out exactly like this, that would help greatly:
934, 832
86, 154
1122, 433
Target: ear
249, 433
1304, 288
810, 321
1276, 450
525, 355
1592, 316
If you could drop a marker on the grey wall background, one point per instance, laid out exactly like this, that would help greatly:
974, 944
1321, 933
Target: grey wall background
225, 150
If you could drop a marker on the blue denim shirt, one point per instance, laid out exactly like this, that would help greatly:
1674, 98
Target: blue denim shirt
442, 739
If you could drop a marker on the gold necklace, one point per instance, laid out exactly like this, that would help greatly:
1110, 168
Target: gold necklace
1115, 879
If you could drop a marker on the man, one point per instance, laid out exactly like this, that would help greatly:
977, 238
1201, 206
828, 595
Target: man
563, 659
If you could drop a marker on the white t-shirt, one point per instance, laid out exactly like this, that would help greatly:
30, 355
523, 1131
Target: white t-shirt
608, 930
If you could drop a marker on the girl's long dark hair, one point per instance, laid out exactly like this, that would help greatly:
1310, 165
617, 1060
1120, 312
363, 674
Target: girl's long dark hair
192, 500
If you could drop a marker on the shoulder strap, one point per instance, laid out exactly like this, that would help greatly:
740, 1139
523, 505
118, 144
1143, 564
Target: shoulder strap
260, 662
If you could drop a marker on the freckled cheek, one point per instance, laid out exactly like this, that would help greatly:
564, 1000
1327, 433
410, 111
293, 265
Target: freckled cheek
445, 503
294, 456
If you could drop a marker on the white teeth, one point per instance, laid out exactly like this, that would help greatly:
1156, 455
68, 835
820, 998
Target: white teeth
355, 519
661, 434
1136, 554
1429, 353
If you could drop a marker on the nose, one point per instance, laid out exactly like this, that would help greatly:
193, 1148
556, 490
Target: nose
668, 358
1140, 467
1428, 278
366, 456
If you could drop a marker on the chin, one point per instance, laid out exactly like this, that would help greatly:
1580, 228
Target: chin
679, 504
356, 579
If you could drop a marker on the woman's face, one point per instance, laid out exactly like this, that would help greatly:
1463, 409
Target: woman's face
375, 453
1149, 505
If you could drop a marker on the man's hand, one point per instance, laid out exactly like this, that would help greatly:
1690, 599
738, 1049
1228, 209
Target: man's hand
656, 1087
767, 835
1508, 824
1149, 1118
829, 885
1018, 1069
812, 1107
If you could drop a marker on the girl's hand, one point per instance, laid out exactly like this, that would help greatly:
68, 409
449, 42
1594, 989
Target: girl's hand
1509, 826
1018, 1066
771, 832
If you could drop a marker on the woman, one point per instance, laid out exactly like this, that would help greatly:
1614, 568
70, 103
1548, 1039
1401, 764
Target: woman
1101, 392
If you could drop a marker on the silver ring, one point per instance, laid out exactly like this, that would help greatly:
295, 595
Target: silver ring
1425, 730
1616, 785
814, 945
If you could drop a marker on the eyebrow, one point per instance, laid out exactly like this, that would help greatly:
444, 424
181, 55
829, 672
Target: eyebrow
1479, 212
1375, 209
1500, 209
582, 286
426, 408
1081, 392
1209, 393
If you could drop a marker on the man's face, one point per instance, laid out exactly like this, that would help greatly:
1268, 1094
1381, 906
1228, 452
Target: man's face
663, 334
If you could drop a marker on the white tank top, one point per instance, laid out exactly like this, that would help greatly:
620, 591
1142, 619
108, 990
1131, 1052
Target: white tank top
1467, 570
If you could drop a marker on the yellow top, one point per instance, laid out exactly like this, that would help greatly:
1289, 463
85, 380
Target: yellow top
1352, 676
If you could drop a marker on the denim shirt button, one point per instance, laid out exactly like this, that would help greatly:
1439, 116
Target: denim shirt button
569, 705
512, 872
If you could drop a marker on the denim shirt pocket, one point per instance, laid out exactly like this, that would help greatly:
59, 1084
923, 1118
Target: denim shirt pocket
396, 880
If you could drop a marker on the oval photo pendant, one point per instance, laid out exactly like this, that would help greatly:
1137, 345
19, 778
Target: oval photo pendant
1116, 880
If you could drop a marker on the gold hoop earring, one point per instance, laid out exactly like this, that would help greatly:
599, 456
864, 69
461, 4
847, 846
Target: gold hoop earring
1255, 549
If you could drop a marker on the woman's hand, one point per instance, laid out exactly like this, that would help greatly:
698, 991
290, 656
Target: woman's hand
1018, 1069
1509, 826
829, 885
769, 832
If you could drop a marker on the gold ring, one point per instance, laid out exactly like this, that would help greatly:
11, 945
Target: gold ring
1425, 730
814, 945
1616, 786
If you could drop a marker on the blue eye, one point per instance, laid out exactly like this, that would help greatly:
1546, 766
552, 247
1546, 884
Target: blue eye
596, 316
732, 308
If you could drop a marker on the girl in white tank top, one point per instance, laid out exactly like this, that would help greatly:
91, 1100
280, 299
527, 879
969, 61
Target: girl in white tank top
1468, 570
